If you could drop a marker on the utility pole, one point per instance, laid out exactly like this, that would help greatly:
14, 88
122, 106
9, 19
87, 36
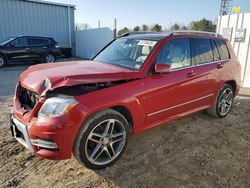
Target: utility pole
224, 8
115, 28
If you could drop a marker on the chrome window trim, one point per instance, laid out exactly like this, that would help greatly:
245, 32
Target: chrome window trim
179, 105
198, 65
212, 62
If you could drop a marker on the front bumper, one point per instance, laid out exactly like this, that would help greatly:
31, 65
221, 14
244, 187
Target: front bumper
20, 133
51, 138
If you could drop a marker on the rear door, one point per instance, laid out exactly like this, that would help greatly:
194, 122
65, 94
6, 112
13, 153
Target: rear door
171, 95
208, 66
37, 47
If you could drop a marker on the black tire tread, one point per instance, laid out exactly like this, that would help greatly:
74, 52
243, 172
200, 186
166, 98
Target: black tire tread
213, 110
5, 60
86, 126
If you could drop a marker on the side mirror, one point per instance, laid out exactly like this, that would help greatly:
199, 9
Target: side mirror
162, 68
11, 45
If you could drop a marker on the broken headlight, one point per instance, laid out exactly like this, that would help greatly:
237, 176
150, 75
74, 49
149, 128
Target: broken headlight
56, 106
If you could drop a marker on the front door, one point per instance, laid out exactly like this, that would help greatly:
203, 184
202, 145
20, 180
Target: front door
171, 95
17, 50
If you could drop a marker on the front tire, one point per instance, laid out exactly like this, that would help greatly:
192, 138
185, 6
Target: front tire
2, 61
223, 103
102, 139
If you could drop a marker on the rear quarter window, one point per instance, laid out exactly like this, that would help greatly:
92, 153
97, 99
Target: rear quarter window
222, 49
203, 51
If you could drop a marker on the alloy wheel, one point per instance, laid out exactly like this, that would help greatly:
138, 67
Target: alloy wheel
105, 142
1, 61
225, 101
50, 58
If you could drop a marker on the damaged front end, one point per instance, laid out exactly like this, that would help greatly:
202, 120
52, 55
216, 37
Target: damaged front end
81, 89
28, 99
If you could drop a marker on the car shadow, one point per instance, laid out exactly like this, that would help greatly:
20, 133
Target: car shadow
189, 151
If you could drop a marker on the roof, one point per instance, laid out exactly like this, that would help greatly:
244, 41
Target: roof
50, 3
149, 36
158, 36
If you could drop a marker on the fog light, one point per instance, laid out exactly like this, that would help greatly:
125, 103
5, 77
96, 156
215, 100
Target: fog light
44, 143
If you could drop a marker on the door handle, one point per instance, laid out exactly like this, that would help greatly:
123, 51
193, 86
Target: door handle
27, 48
191, 74
219, 65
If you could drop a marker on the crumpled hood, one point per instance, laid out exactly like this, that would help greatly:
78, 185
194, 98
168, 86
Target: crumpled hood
73, 73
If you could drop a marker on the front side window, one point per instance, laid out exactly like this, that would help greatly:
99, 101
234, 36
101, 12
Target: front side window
128, 53
203, 51
20, 42
176, 53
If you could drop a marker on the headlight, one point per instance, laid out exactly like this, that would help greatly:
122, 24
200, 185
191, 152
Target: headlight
56, 106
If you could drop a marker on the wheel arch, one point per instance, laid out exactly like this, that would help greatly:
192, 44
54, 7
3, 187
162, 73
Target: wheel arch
5, 57
126, 113
233, 84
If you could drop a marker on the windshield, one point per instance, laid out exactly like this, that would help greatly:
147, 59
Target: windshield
7, 41
128, 53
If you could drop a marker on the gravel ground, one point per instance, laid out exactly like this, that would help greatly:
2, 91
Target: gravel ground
196, 151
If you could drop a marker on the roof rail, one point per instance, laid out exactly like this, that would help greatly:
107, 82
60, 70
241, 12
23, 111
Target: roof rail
194, 32
137, 33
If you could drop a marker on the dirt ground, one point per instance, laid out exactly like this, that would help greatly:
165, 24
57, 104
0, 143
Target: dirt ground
197, 151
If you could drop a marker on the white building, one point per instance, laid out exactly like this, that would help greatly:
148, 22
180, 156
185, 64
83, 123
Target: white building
236, 28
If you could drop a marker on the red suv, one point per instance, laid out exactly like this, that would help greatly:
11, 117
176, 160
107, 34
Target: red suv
137, 82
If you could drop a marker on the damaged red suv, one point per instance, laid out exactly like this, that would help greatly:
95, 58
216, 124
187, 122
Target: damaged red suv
137, 82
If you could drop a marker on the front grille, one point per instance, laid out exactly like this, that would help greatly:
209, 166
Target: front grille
28, 99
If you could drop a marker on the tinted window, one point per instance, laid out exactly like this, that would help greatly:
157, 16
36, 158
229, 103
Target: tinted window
203, 51
20, 42
37, 41
175, 53
215, 51
223, 50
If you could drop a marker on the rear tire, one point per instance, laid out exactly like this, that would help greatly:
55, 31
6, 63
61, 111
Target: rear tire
3, 61
223, 103
49, 58
102, 139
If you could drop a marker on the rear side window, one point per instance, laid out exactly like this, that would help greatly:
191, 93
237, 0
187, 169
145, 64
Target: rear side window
203, 51
37, 41
222, 49
215, 51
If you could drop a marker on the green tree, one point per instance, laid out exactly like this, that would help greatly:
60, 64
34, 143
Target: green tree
203, 25
156, 28
175, 27
136, 28
123, 31
145, 27
184, 28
